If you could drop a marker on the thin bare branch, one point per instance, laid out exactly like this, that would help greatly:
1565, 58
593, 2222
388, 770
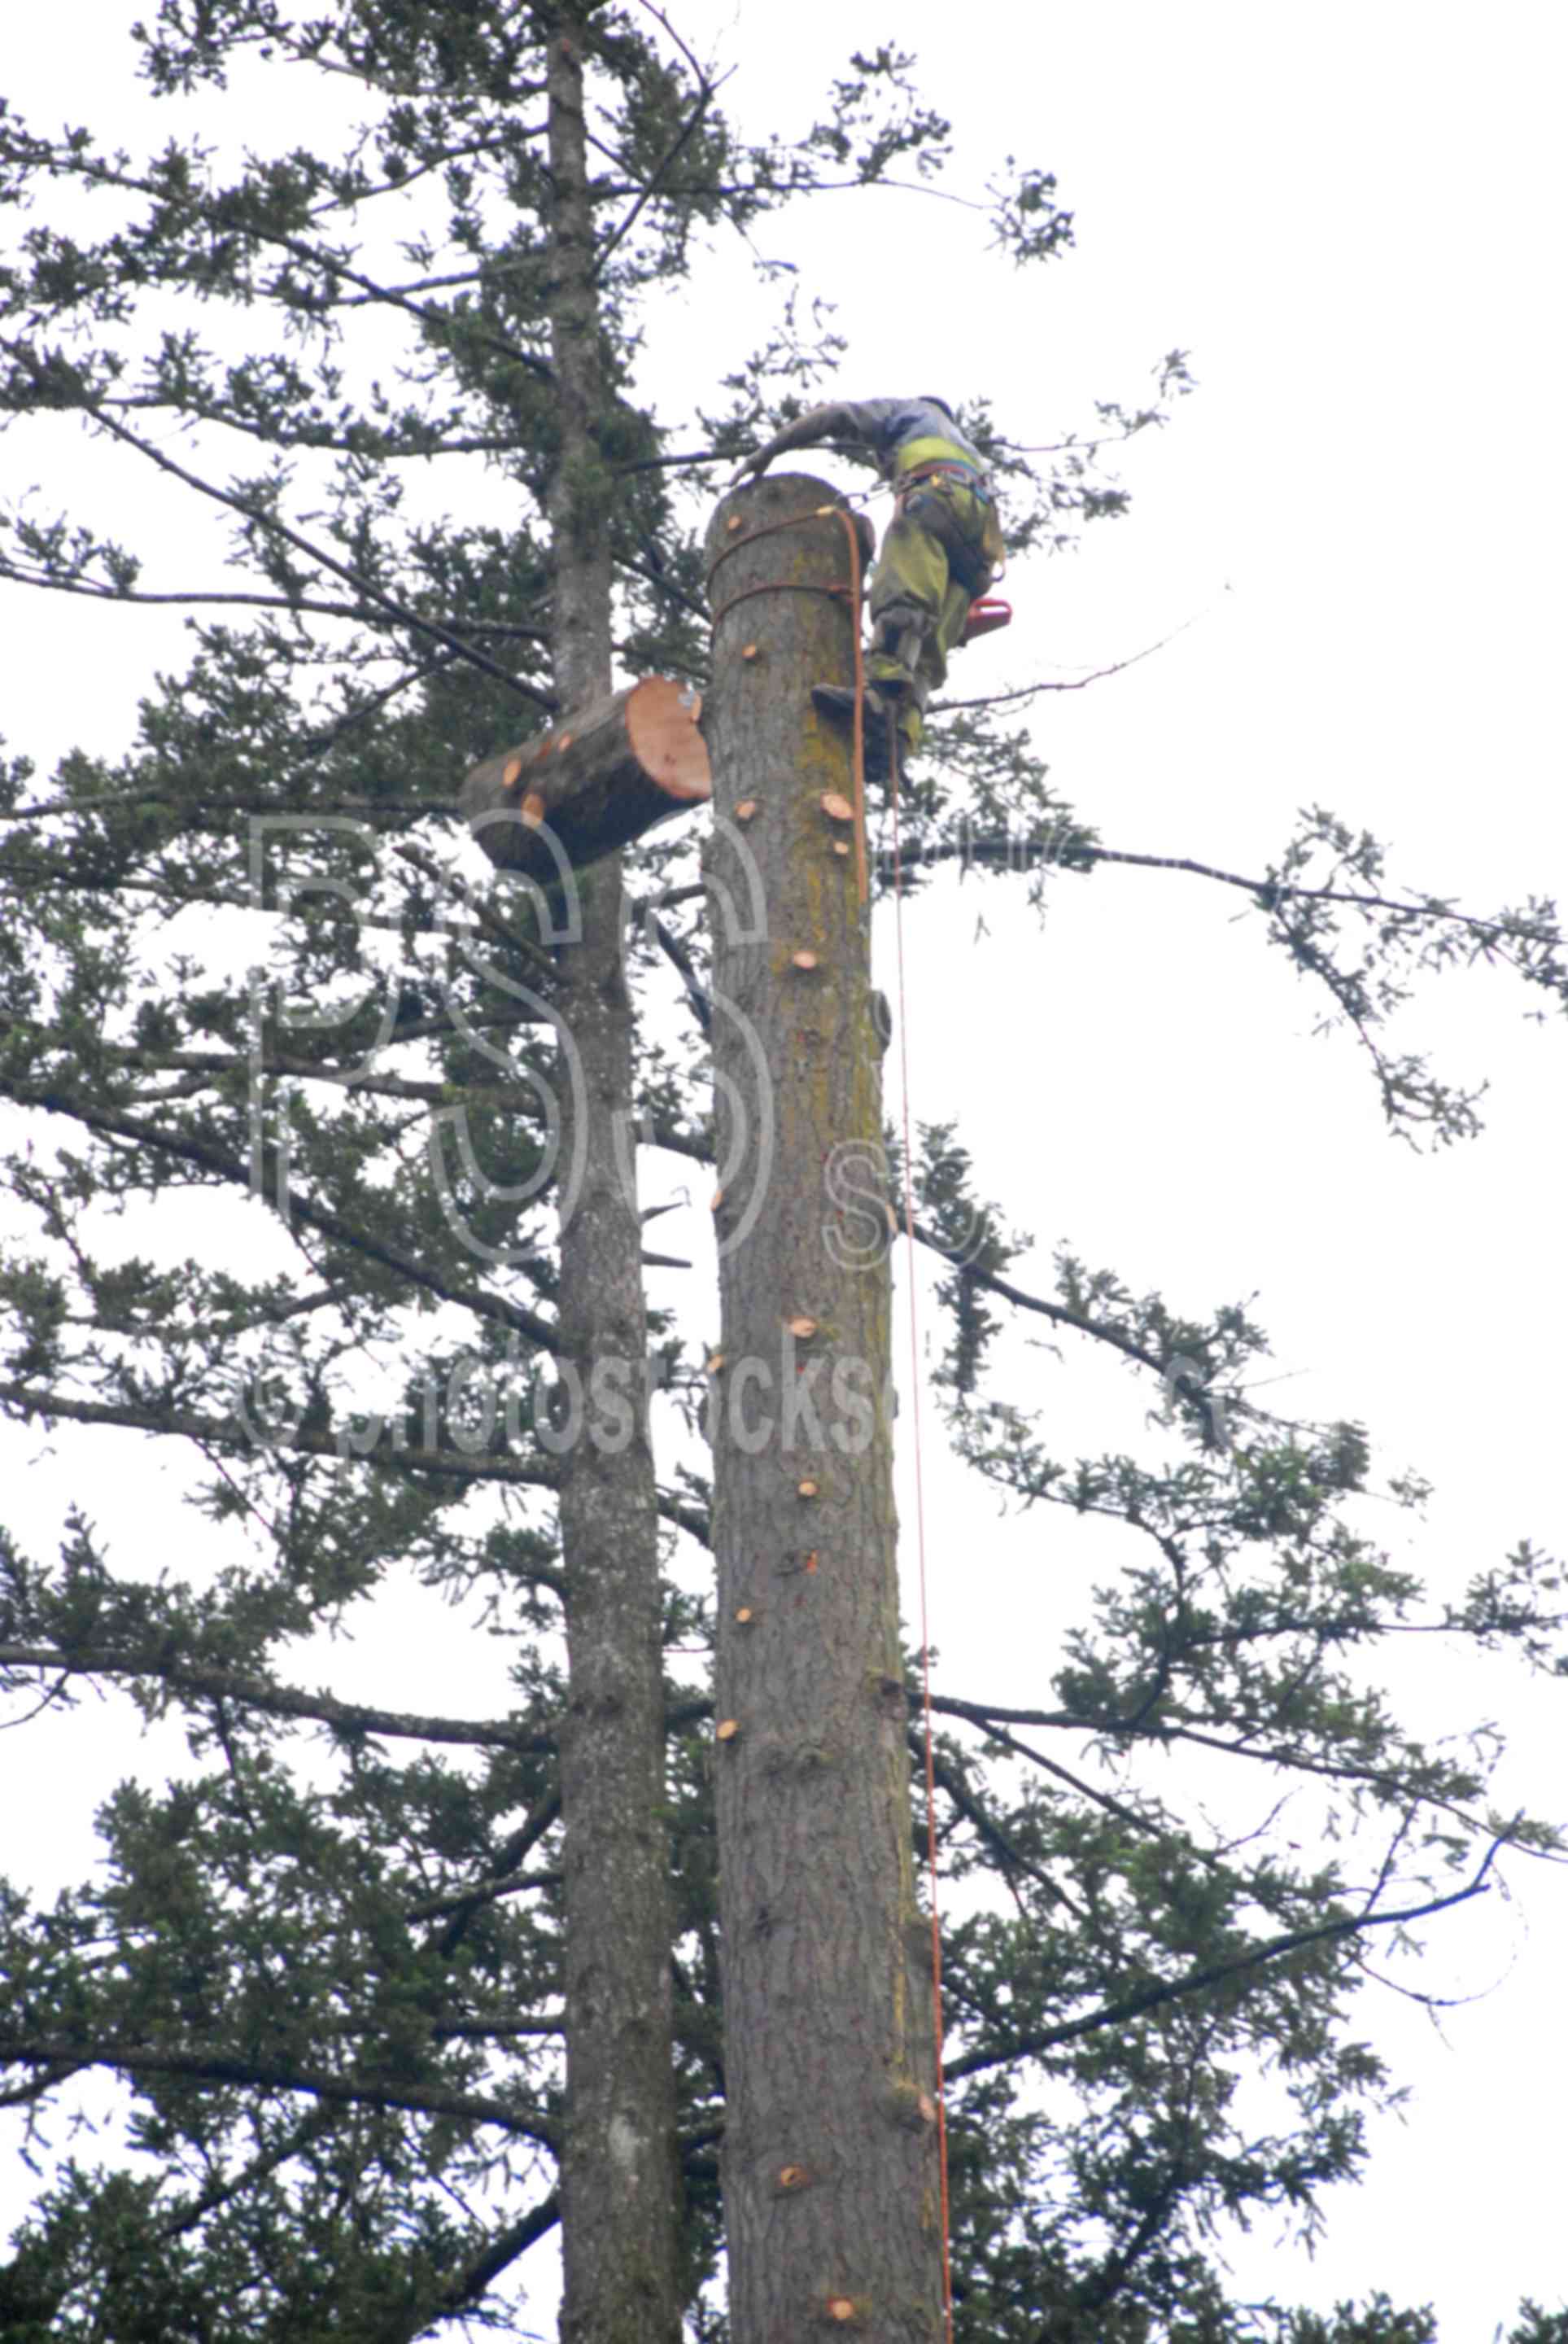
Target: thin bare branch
1077, 684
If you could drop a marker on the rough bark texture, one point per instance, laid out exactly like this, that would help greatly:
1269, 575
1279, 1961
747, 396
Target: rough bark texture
594, 782
830, 2177
617, 2165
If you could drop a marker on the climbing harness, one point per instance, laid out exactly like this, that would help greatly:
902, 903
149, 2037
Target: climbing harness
945, 468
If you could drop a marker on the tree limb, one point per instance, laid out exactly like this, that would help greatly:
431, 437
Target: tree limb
399, 612
1134, 2006
222, 1433
316, 1217
137, 2059
707, 91
210, 1683
468, 2287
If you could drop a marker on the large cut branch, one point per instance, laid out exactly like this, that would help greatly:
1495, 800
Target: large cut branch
597, 779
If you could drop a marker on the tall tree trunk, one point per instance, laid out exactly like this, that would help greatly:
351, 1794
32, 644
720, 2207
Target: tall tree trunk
831, 2179
617, 2169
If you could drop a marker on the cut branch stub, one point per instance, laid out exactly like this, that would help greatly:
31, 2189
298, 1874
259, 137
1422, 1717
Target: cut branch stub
603, 775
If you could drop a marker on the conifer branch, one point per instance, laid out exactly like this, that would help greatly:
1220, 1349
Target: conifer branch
1198, 1980
48, 379
228, 1435
186, 1148
137, 2059
200, 1682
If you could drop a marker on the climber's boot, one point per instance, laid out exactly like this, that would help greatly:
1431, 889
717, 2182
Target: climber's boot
837, 701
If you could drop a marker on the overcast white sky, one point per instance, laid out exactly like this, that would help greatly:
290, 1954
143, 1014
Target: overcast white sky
1352, 217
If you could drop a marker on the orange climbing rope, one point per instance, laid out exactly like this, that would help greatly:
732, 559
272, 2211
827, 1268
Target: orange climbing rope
920, 1539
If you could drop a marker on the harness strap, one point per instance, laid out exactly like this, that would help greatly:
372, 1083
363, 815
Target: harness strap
920, 459
942, 467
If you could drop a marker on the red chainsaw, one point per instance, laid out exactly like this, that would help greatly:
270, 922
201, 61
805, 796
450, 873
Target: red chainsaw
985, 617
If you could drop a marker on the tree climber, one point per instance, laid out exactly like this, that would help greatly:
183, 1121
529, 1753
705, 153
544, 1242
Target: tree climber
942, 549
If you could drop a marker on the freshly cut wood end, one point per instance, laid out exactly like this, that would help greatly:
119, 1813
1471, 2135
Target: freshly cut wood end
749, 651
746, 809
617, 766
840, 2308
744, 1617
806, 1490
716, 1200
713, 1362
727, 1730
840, 846
793, 2177
836, 808
662, 716
803, 1328
804, 960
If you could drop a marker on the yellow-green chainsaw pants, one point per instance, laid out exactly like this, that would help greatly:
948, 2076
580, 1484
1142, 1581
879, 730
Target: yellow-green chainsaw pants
942, 549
